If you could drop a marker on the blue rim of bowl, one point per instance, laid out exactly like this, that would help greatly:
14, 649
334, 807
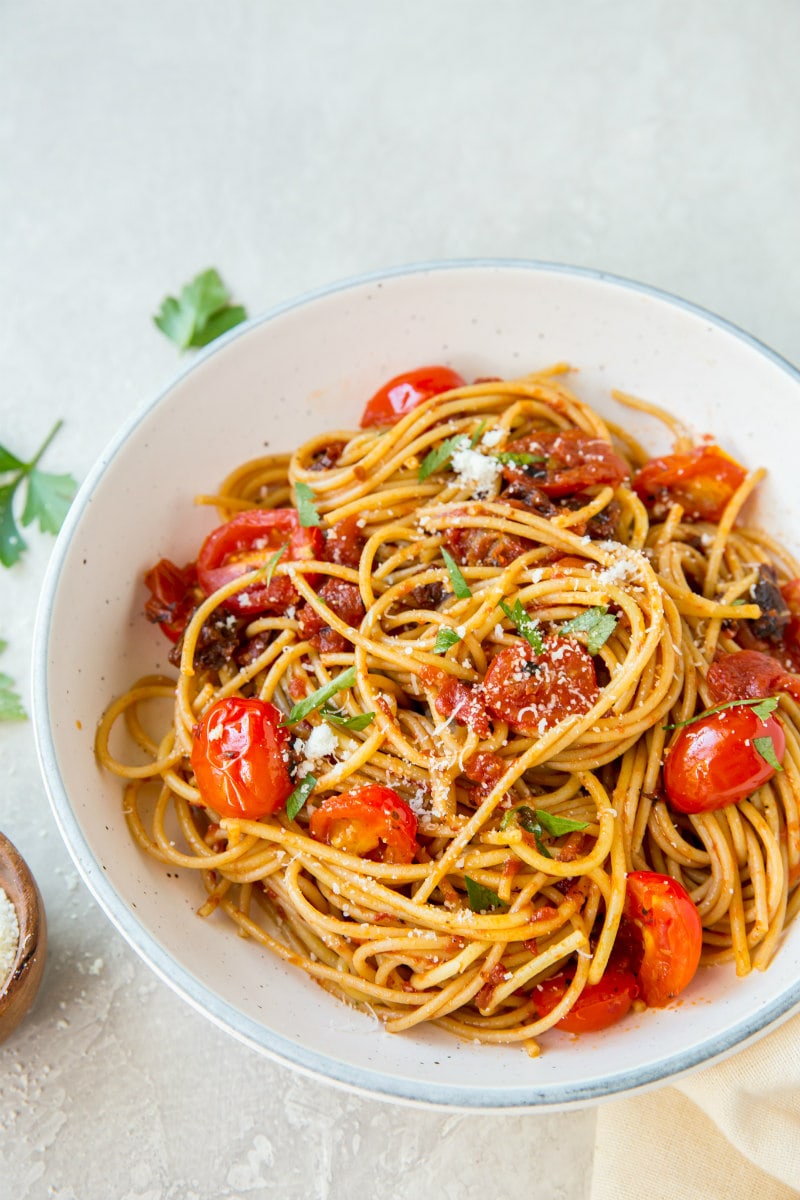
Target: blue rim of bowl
375, 1084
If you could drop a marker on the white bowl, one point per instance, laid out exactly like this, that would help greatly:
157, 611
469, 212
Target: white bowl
302, 368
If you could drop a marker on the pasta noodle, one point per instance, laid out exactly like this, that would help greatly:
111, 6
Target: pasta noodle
510, 662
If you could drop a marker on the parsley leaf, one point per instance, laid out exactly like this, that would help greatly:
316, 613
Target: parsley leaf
306, 508
299, 796
47, 498
761, 707
526, 625
357, 723
272, 562
437, 457
459, 583
445, 638
481, 898
766, 748
598, 623
320, 696
10, 703
201, 313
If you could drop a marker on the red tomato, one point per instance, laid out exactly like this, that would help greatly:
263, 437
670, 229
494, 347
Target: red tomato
713, 762
671, 932
344, 542
172, 598
702, 481
248, 541
404, 392
370, 821
599, 1004
464, 704
533, 692
239, 755
485, 547
749, 675
573, 460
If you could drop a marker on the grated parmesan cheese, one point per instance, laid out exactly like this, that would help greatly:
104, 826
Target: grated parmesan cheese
9, 938
475, 470
320, 742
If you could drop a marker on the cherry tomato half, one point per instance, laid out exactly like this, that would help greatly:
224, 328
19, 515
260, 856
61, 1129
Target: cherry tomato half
533, 692
172, 596
248, 541
370, 821
599, 1004
572, 460
671, 932
749, 675
239, 753
702, 481
404, 392
714, 761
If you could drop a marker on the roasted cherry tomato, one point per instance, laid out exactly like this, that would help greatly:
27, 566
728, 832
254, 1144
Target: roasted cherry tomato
371, 821
404, 392
571, 461
671, 932
485, 547
599, 1004
533, 692
702, 482
464, 703
248, 541
239, 755
172, 596
715, 761
749, 675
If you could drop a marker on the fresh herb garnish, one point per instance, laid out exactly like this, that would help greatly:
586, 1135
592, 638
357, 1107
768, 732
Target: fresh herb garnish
201, 313
272, 562
556, 825
538, 822
10, 703
766, 748
598, 623
306, 508
47, 500
357, 723
480, 898
459, 583
511, 457
477, 435
526, 625
761, 707
445, 638
320, 696
436, 458
299, 796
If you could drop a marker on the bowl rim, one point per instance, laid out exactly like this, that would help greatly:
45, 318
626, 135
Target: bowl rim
366, 1081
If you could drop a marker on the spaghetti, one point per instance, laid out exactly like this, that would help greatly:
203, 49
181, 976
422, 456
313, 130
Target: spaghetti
428, 675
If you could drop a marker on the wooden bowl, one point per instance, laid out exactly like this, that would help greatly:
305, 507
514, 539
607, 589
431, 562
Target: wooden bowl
22, 985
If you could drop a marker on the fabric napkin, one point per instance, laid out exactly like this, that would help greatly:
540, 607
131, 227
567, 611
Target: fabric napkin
730, 1132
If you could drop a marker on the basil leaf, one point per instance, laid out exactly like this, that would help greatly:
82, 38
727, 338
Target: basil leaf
457, 580
761, 707
480, 898
272, 562
445, 638
299, 796
766, 748
317, 699
357, 723
477, 435
437, 458
518, 460
556, 825
306, 508
526, 625
598, 623
527, 819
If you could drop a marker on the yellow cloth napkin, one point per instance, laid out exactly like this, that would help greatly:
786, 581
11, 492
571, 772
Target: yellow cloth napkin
731, 1131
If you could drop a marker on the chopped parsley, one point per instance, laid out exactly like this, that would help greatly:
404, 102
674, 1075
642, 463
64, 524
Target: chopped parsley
201, 313
306, 508
47, 498
445, 638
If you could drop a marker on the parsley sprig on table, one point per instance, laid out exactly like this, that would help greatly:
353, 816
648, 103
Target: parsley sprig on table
10, 703
201, 313
47, 498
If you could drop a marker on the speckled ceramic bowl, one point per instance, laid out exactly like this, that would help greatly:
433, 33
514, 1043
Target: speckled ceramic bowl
301, 369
